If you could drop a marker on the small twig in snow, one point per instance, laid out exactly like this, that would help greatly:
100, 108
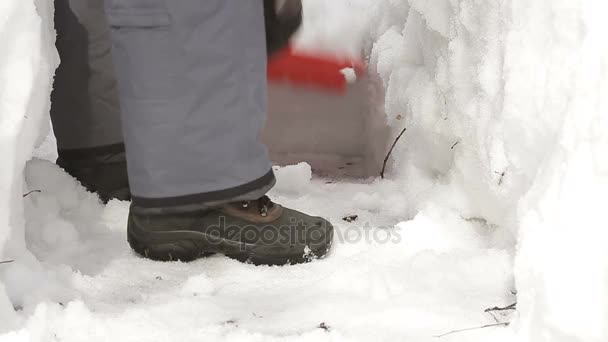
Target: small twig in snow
325, 327
388, 155
31, 192
455, 144
506, 308
6, 262
350, 218
502, 177
494, 316
476, 328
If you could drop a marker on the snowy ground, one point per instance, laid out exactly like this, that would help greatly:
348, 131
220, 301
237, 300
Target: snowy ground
385, 280
499, 184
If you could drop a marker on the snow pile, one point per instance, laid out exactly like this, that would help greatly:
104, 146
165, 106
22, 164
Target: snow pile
506, 141
505, 106
337, 27
27, 63
293, 178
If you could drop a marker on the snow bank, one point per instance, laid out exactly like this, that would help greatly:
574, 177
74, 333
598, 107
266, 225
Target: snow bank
505, 106
507, 141
27, 63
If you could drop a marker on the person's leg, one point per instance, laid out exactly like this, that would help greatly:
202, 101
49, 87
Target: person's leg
192, 85
192, 80
85, 109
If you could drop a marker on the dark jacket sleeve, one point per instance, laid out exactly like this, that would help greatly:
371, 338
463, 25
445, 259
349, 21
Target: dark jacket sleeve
281, 23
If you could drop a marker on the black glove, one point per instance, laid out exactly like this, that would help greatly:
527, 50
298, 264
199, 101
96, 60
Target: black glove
283, 19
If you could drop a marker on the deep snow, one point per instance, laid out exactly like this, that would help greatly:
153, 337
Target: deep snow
27, 62
497, 186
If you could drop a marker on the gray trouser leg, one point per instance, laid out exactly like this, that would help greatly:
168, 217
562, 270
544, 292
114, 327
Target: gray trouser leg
192, 84
85, 108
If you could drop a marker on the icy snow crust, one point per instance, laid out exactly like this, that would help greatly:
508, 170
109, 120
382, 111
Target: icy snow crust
506, 145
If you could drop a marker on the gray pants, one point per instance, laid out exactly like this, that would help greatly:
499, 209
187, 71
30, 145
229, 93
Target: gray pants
188, 84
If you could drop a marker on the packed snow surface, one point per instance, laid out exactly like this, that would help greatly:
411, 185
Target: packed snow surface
495, 194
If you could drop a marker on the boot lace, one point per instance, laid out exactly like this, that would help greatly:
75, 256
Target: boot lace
263, 204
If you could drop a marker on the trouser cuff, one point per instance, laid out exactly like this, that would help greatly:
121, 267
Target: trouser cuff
92, 153
249, 191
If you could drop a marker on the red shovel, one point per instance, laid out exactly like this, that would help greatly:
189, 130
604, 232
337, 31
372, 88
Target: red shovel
304, 69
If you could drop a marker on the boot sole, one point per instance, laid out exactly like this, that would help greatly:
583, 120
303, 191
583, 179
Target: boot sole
188, 246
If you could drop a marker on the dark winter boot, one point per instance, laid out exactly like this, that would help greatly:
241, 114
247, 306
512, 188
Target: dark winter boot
260, 232
103, 170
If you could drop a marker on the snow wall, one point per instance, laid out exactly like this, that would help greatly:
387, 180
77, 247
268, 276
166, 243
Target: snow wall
506, 121
506, 109
27, 63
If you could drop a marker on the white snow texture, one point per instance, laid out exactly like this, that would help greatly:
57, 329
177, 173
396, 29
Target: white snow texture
499, 185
